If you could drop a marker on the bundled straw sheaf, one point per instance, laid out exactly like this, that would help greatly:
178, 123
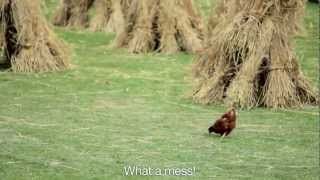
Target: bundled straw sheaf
30, 45
167, 26
1, 29
110, 15
73, 13
248, 59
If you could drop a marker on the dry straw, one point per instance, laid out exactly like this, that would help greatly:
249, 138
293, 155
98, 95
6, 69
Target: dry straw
167, 26
29, 44
73, 13
109, 15
249, 59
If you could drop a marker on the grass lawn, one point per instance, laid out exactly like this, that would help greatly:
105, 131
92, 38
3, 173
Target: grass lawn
115, 109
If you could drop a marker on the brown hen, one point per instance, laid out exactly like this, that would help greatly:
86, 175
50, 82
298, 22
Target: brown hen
225, 124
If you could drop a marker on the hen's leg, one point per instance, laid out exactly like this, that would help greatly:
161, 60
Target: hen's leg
223, 135
228, 132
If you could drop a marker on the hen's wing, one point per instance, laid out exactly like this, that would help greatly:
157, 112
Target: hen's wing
220, 125
230, 115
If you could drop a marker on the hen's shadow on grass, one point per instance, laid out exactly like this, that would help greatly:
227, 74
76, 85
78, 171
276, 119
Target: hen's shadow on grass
210, 135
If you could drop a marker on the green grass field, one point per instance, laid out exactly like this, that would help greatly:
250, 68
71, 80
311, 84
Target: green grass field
115, 109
